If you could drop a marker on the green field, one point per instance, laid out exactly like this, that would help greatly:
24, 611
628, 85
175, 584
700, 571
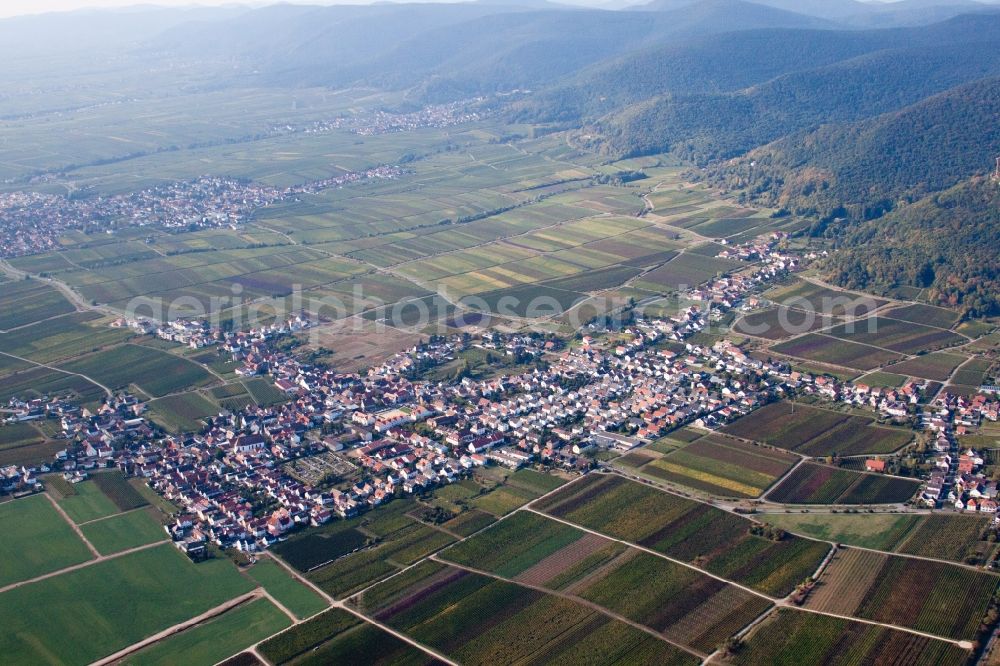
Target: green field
37, 540
217, 639
877, 531
292, 594
28, 301
124, 531
821, 484
15, 435
87, 503
184, 412
157, 373
124, 599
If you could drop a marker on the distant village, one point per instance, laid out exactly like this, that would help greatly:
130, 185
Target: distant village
31, 222
385, 122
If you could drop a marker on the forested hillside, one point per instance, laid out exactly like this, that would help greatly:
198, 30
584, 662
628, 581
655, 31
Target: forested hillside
861, 170
946, 243
707, 127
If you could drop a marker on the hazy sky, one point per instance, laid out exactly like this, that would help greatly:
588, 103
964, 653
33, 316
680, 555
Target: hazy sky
18, 7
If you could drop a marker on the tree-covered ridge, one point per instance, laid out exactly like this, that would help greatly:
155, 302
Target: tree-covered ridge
707, 127
858, 171
735, 61
946, 243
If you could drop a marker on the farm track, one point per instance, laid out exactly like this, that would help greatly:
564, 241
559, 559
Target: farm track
76, 528
178, 628
36, 364
82, 565
578, 600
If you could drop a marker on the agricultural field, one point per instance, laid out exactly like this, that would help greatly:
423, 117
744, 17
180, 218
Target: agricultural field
292, 594
123, 531
928, 315
41, 382
469, 522
264, 393
719, 542
941, 599
905, 337
503, 499
155, 372
683, 604
397, 550
87, 502
19, 435
828, 349
685, 272
880, 531
794, 637
780, 323
29, 302
216, 639
343, 556
882, 380
183, 412
117, 489
721, 466
125, 599
63, 338
821, 484
37, 540
958, 538
338, 637
811, 297
972, 373
937, 366
476, 619
817, 432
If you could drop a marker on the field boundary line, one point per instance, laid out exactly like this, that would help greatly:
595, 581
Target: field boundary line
650, 551
211, 613
964, 644
76, 528
83, 565
65, 372
774, 486
401, 636
114, 515
575, 599
280, 606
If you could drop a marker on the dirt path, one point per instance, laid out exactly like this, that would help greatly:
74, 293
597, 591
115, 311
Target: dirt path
76, 528
65, 372
82, 565
578, 600
177, 628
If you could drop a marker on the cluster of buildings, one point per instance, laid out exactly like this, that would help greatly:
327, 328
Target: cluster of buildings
730, 290
893, 403
385, 122
957, 477
31, 222
759, 249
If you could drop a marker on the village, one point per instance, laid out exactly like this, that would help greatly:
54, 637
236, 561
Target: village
404, 435
345, 442
31, 222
